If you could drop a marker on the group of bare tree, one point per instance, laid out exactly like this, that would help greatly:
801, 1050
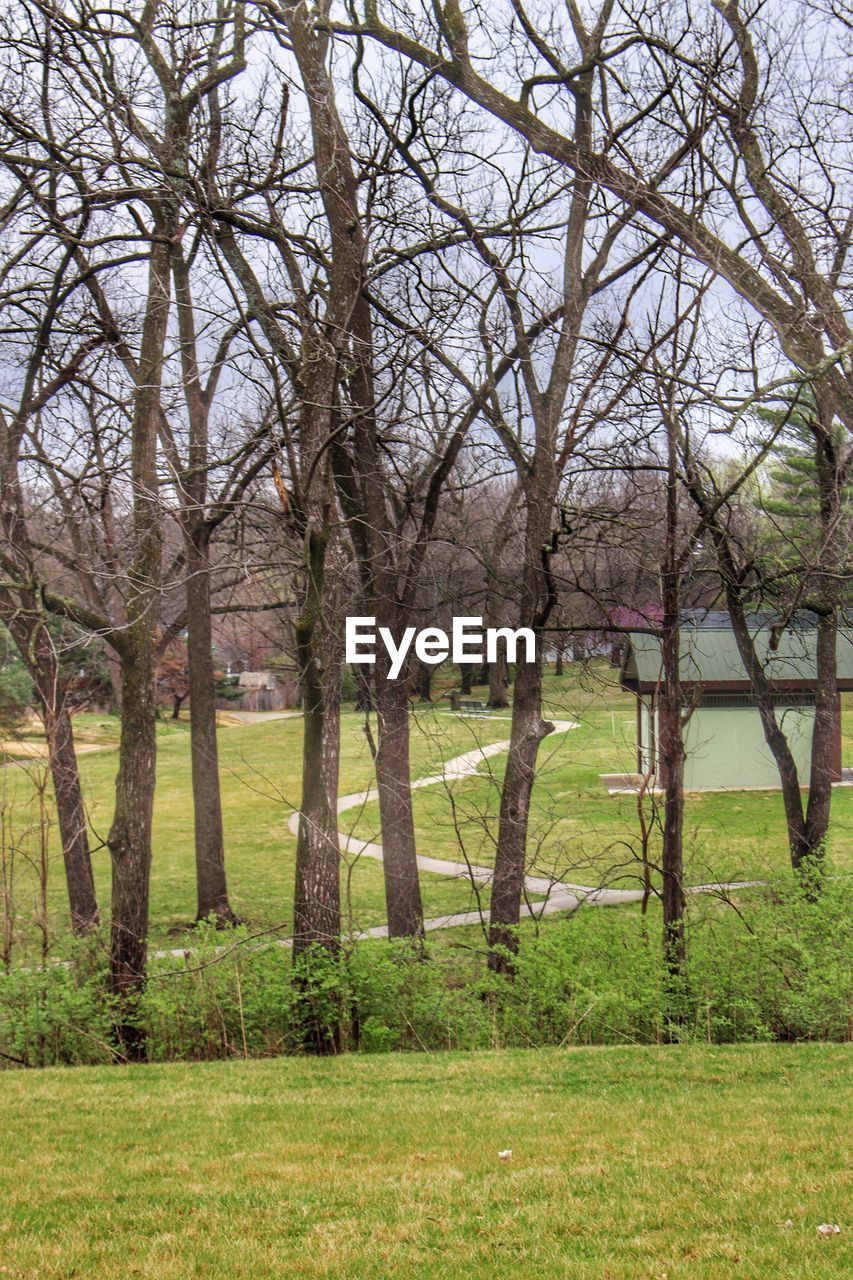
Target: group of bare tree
309, 306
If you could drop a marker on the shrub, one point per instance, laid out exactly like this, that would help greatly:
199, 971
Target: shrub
772, 965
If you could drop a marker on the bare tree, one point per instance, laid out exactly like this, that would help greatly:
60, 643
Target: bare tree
89, 107
690, 118
543, 436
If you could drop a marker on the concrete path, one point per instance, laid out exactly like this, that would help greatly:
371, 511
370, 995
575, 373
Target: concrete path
465, 766
561, 896
260, 717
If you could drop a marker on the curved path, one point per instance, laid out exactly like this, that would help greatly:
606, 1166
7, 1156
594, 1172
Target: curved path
561, 896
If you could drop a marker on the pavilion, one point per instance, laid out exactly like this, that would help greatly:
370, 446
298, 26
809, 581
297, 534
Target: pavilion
724, 739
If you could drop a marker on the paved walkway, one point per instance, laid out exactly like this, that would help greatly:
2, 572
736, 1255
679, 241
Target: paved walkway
561, 896
259, 717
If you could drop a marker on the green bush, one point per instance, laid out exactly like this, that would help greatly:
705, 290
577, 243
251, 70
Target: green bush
773, 965
58, 1013
16, 692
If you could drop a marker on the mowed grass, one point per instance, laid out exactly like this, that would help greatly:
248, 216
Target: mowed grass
260, 769
580, 833
684, 1163
577, 832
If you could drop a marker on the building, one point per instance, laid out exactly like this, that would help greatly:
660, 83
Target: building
262, 690
723, 737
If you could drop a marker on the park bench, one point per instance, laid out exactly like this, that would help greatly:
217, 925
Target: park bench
473, 707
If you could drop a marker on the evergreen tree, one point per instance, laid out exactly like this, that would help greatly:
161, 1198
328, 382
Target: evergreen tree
792, 493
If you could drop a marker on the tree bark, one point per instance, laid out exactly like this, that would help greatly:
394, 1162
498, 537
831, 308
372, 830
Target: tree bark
129, 839
393, 781
211, 882
761, 688
37, 649
499, 679
211, 879
308, 511
114, 672
824, 739
363, 687
359, 473
316, 908
316, 899
528, 730
670, 736
425, 673
762, 691
832, 471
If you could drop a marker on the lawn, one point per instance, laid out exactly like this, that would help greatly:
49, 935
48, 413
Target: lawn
261, 772
581, 834
684, 1163
578, 832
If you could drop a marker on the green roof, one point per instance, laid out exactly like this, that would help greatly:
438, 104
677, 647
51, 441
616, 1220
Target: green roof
710, 656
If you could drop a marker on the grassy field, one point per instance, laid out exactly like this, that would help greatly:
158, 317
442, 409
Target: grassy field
261, 773
683, 1163
581, 834
578, 831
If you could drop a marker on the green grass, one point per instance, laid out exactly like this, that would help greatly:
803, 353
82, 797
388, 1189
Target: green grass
577, 830
90, 730
580, 833
684, 1163
261, 773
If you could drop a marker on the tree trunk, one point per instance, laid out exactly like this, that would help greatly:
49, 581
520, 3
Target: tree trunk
114, 672
558, 662
316, 907
71, 816
316, 900
211, 882
424, 682
824, 739
671, 740
528, 730
528, 727
129, 839
761, 688
211, 886
363, 687
762, 692
393, 780
360, 476
466, 673
671, 755
499, 679
832, 471
37, 649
